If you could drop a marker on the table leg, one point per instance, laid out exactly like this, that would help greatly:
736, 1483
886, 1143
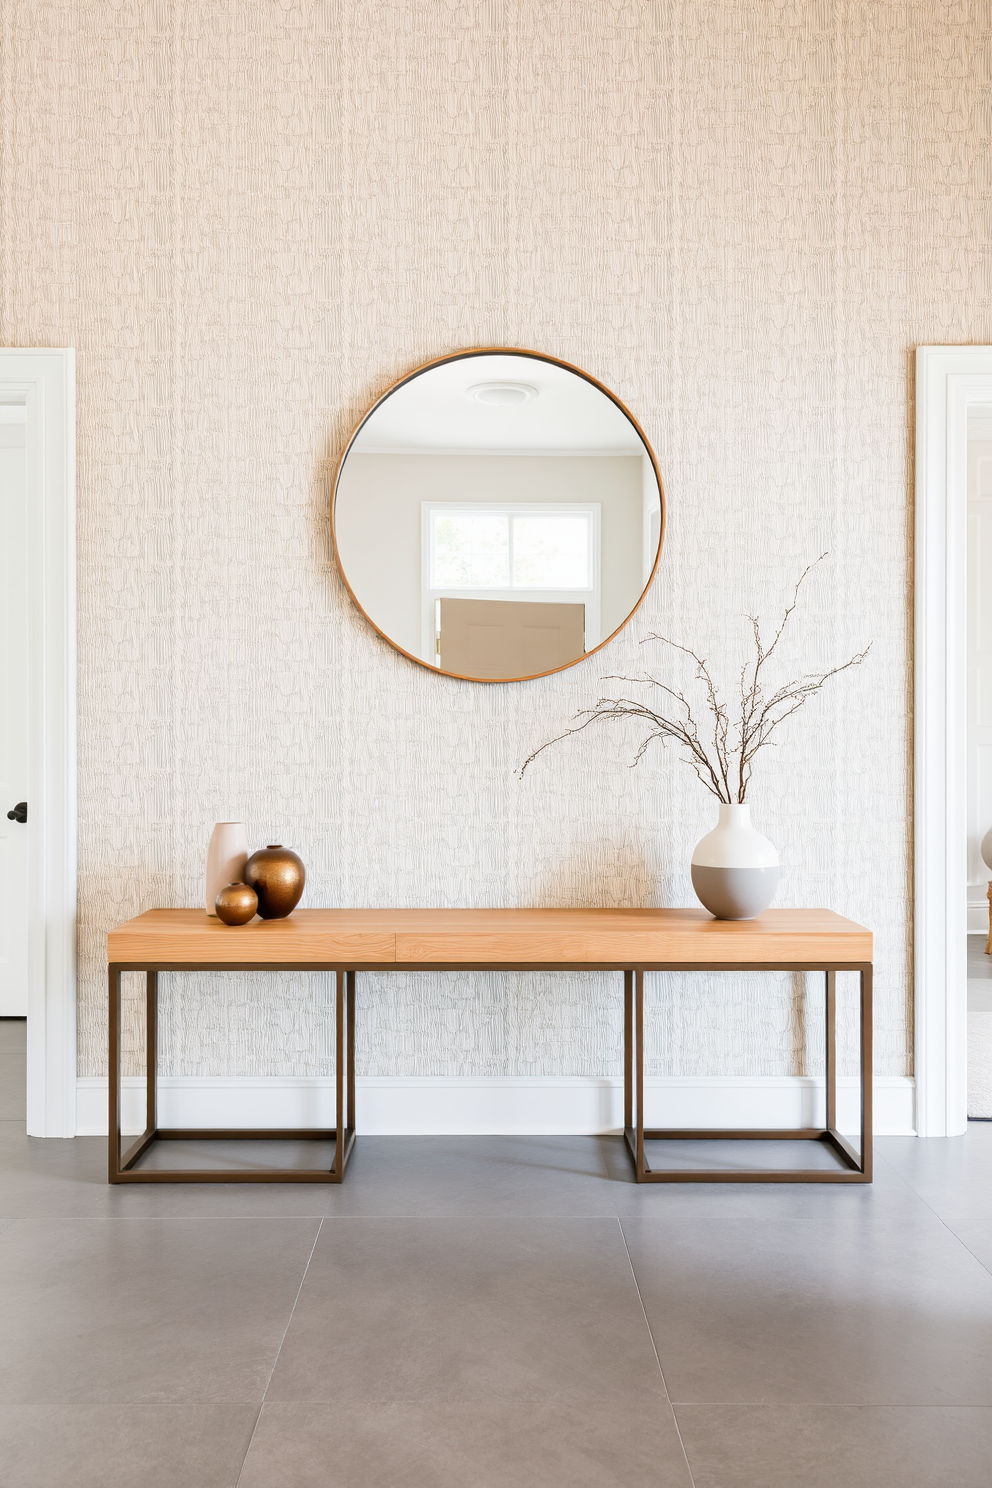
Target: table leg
860, 1161
831, 1050
151, 1050
340, 1057
866, 1072
639, 1062
633, 1068
628, 1062
351, 980
114, 1076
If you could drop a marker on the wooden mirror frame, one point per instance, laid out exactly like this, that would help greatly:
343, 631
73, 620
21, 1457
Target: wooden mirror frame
458, 356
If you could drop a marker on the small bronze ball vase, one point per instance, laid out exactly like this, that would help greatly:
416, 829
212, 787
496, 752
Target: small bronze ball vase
236, 904
277, 875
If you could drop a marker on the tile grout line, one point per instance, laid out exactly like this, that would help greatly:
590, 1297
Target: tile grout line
275, 1361
967, 1247
927, 1205
661, 1371
611, 1182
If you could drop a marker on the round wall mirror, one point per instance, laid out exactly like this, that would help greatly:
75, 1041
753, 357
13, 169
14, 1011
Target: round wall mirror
497, 515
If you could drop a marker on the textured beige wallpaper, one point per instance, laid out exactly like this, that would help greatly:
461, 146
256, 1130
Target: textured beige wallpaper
248, 218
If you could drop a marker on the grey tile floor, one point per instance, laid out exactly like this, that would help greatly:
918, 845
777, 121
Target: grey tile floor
492, 1313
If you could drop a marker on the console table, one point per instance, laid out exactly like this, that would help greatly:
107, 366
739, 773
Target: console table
628, 941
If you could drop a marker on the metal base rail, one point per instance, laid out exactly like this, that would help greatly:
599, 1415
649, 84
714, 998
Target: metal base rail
123, 1164
854, 1166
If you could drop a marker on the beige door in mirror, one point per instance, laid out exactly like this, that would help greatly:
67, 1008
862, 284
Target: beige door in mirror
498, 515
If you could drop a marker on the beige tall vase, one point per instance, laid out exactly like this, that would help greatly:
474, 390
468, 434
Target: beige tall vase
226, 859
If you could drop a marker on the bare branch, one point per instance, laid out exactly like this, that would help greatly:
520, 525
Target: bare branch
752, 697
718, 709
762, 710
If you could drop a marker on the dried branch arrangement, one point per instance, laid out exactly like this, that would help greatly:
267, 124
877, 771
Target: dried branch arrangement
723, 752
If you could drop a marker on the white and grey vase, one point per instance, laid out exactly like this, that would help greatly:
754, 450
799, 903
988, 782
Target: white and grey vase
226, 859
735, 870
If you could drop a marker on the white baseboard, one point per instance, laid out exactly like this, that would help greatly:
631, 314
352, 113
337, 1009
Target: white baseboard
476, 1105
978, 917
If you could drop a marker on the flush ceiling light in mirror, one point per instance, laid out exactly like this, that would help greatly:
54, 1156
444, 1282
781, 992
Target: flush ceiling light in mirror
502, 394
498, 515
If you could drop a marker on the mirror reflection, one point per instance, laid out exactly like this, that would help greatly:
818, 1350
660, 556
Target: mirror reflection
497, 515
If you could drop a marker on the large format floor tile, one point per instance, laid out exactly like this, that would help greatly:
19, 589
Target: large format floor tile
13, 1088
68, 1179
881, 1313
818, 1446
146, 1310
486, 1444
953, 1174
123, 1446
13, 1036
977, 1236
467, 1176
467, 1310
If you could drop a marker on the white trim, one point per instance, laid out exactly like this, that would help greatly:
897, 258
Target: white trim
478, 1105
949, 380
978, 915
47, 379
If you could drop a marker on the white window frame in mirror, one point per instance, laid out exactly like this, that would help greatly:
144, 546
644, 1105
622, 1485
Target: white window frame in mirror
590, 597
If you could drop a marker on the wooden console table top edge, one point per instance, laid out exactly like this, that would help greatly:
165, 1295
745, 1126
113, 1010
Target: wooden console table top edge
405, 937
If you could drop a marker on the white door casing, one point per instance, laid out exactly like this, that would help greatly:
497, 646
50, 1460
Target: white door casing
13, 708
44, 380
949, 381
979, 737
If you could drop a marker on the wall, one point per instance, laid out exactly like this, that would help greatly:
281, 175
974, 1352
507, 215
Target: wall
741, 215
378, 522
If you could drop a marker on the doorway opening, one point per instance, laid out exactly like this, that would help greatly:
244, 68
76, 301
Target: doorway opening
979, 745
38, 741
953, 389
13, 757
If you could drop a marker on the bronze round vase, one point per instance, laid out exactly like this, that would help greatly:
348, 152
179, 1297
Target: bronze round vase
277, 875
236, 904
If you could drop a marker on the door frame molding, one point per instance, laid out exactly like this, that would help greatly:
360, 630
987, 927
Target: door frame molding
46, 377
949, 379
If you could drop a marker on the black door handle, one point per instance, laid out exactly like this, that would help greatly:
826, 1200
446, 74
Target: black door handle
19, 813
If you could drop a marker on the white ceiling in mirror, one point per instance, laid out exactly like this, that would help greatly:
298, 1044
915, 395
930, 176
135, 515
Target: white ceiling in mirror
437, 411
497, 515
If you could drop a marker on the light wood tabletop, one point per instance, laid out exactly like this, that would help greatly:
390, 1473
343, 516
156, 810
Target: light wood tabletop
492, 937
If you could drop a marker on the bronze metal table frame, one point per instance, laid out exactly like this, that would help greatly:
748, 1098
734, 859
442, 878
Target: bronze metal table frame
122, 1167
855, 1167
